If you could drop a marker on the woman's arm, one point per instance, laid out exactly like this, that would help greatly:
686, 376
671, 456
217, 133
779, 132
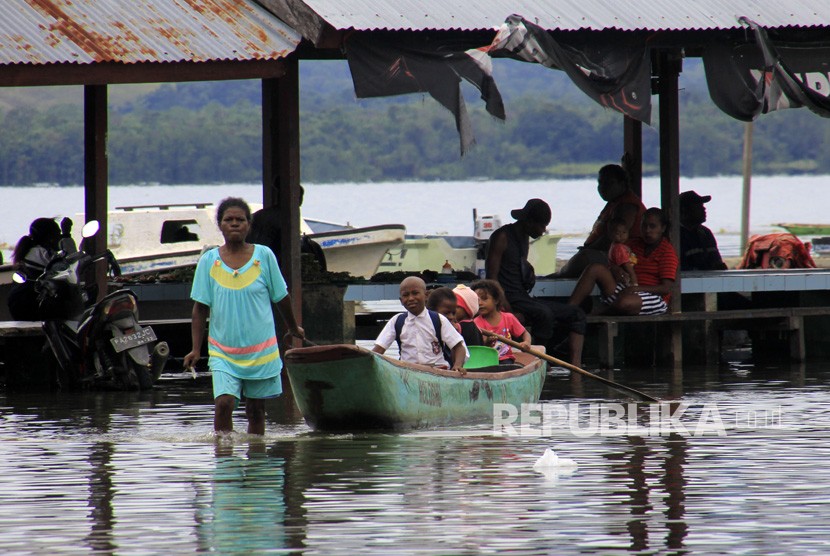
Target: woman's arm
199, 317
662, 289
287, 311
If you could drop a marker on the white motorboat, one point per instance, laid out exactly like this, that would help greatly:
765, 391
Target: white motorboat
152, 238
464, 253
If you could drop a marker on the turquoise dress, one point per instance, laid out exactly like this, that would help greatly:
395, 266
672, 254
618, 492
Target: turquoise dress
242, 340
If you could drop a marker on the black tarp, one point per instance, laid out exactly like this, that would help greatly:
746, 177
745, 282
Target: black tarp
614, 71
397, 65
747, 79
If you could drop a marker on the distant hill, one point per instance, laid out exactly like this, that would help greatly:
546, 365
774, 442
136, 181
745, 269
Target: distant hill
209, 132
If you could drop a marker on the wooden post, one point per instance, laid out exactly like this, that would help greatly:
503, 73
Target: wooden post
95, 173
747, 185
669, 67
633, 146
281, 169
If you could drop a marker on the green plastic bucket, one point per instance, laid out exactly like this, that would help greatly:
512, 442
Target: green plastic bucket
481, 356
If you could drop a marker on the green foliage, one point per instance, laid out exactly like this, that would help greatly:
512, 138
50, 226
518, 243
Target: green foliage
211, 133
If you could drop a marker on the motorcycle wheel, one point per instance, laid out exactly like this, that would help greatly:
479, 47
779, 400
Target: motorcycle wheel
143, 374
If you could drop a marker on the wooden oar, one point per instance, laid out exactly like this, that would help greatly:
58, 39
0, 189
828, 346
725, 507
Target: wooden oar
573, 368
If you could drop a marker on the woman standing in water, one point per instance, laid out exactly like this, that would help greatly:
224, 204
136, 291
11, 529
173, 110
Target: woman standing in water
235, 285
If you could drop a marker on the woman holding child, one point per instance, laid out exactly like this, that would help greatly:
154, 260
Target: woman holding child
656, 271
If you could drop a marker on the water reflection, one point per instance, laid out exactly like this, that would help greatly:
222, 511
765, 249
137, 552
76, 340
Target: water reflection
141, 472
101, 495
241, 508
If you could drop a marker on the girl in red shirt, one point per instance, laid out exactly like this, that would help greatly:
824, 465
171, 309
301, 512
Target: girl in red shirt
492, 318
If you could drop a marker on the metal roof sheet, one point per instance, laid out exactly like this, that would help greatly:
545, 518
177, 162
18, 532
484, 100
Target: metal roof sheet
570, 15
131, 31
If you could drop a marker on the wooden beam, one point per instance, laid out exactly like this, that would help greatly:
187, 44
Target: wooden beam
102, 73
281, 169
95, 173
670, 65
633, 147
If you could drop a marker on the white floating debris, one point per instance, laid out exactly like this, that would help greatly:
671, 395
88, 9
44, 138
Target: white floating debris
550, 461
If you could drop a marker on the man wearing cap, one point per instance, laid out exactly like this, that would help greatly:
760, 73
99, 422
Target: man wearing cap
698, 246
507, 263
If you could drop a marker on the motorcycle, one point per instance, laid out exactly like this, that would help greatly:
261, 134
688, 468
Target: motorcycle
99, 345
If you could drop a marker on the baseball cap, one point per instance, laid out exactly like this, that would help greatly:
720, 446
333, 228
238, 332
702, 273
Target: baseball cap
535, 210
691, 197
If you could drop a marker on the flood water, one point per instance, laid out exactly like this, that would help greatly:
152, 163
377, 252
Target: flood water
132, 473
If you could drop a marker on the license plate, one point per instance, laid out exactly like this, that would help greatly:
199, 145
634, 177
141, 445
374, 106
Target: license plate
143, 336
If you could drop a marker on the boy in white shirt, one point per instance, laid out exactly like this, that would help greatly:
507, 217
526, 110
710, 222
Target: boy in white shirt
417, 331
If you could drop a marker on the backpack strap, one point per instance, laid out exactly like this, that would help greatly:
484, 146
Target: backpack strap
436, 324
398, 327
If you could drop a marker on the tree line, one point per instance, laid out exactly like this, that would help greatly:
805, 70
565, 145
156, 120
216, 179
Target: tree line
411, 138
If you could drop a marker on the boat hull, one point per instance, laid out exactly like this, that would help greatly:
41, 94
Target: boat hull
359, 251
806, 229
346, 387
419, 253
144, 239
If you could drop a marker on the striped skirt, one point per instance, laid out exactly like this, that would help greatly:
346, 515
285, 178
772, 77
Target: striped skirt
653, 304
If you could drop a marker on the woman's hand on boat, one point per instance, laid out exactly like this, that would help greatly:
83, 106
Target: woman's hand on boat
296, 332
461, 370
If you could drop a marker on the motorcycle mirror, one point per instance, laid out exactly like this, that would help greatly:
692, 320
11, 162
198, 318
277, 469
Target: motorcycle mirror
18, 278
90, 228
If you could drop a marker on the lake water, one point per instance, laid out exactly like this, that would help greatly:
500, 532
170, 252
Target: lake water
140, 473
447, 207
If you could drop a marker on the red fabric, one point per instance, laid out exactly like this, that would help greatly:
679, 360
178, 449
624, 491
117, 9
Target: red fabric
620, 254
630, 198
777, 250
661, 264
509, 327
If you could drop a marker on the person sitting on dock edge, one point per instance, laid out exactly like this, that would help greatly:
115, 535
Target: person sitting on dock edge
421, 334
507, 264
621, 202
698, 246
656, 271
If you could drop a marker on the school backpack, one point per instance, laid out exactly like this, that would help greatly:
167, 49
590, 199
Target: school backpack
777, 250
436, 323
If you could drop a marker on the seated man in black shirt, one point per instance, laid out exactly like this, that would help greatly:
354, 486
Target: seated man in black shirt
698, 246
507, 263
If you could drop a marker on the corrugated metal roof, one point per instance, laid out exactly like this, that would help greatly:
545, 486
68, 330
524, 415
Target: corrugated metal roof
131, 31
570, 15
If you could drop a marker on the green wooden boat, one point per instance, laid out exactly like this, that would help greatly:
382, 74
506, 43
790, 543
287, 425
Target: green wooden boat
806, 229
345, 387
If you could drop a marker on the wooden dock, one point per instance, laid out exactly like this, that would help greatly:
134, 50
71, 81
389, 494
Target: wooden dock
789, 308
789, 313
